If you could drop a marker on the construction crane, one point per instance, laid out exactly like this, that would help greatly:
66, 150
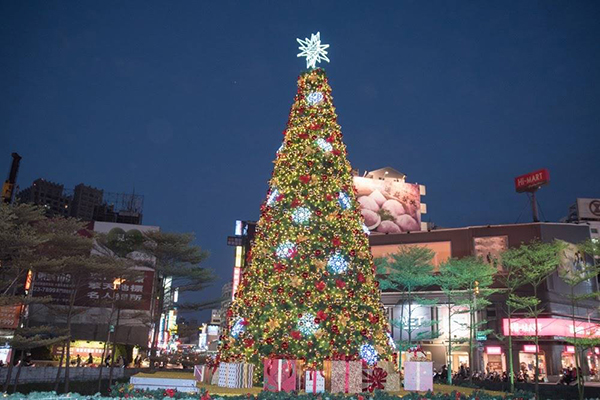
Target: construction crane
8, 189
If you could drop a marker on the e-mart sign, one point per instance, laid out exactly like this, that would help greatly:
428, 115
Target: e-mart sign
550, 327
532, 180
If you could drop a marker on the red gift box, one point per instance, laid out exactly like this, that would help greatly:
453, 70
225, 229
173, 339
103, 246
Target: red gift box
279, 375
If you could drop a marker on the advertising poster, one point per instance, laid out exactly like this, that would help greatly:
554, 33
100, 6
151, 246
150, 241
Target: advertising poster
96, 291
9, 317
572, 261
388, 206
442, 251
490, 249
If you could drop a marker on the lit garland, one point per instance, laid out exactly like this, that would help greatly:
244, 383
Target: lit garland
301, 215
307, 325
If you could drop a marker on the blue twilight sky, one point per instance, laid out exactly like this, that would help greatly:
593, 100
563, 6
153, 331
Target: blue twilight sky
186, 101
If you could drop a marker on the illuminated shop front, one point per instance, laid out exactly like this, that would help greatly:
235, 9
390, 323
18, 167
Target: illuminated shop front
494, 359
527, 362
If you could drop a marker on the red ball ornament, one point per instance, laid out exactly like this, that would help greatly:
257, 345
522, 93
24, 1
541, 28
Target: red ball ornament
360, 277
320, 286
296, 335
317, 320
321, 315
305, 178
336, 241
340, 283
352, 253
285, 345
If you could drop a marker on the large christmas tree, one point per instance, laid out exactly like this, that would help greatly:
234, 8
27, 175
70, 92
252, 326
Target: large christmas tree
309, 290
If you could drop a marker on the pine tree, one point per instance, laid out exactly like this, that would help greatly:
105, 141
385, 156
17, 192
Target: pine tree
174, 255
309, 291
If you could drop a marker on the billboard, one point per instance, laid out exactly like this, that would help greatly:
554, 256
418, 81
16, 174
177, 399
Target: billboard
532, 180
588, 209
388, 206
490, 248
572, 262
442, 251
551, 327
97, 291
9, 316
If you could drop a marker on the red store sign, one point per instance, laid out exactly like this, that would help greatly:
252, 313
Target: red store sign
550, 327
532, 180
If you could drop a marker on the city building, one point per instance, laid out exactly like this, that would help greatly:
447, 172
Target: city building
94, 320
49, 195
488, 242
84, 202
586, 212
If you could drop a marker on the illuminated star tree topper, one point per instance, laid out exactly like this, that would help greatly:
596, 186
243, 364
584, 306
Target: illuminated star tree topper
313, 50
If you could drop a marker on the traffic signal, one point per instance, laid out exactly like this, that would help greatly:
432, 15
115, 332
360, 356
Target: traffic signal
476, 287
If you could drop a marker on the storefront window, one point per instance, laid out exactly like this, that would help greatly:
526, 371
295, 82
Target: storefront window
593, 363
527, 365
494, 363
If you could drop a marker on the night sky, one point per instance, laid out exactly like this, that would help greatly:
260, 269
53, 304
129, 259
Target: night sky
186, 101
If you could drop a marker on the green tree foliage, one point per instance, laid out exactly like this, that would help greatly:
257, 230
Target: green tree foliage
467, 283
408, 271
580, 280
535, 261
174, 256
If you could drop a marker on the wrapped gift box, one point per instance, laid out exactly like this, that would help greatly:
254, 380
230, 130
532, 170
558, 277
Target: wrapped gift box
392, 383
235, 375
343, 376
279, 375
418, 376
373, 379
223, 373
200, 372
213, 377
314, 381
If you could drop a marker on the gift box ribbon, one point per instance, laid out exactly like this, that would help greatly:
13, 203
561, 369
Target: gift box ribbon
313, 376
280, 371
375, 380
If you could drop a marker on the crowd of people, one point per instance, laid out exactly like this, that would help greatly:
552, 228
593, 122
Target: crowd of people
120, 362
464, 373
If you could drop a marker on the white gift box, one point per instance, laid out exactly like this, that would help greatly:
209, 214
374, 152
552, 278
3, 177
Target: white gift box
315, 382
